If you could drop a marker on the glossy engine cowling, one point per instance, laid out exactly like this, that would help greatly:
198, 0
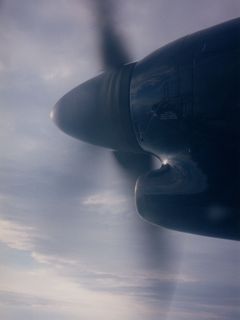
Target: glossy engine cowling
188, 91
185, 104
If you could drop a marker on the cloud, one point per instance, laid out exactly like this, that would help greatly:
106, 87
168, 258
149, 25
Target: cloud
16, 236
45, 291
104, 199
14, 299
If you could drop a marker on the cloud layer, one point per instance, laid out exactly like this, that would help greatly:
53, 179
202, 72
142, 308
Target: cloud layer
71, 243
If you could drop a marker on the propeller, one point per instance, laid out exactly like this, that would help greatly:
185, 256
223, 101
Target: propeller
112, 49
109, 128
114, 54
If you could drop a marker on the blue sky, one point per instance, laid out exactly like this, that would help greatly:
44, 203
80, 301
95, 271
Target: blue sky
71, 244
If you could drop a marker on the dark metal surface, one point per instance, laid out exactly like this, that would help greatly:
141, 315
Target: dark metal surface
188, 91
185, 104
179, 196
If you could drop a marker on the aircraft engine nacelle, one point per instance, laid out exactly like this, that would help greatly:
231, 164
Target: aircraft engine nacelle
181, 103
186, 110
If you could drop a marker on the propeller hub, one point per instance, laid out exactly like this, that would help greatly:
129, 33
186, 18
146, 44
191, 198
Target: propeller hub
98, 111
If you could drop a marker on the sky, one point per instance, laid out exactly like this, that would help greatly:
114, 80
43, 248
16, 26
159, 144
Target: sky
71, 243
